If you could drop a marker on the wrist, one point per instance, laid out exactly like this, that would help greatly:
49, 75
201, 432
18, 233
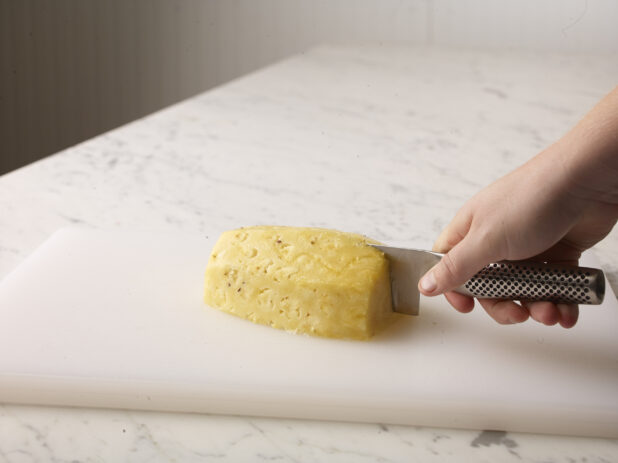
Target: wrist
588, 154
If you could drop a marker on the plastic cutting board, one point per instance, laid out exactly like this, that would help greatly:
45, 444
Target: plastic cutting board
109, 319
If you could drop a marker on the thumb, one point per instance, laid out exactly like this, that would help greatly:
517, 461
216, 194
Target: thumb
455, 231
457, 266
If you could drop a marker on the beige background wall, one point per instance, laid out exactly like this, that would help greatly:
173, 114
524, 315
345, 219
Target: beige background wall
70, 69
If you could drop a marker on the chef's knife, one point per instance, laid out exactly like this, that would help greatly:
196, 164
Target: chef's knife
514, 280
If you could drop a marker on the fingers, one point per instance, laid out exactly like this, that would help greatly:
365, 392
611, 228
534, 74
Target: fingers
549, 313
461, 303
505, 312
543, 312
569, 313
508, 312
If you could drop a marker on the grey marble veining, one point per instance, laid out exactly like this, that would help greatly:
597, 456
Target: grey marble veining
37, 434
385, 141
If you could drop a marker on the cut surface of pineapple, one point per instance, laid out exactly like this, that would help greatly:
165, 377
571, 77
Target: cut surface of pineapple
306, 280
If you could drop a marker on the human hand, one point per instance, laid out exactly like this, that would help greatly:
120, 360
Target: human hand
551, 209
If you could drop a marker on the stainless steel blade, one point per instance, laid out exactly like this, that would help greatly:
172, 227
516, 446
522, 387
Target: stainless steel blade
407, 266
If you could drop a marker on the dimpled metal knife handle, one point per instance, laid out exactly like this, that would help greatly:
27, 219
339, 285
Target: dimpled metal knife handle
532, 281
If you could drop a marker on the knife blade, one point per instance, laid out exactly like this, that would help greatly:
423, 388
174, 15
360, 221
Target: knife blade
510, 280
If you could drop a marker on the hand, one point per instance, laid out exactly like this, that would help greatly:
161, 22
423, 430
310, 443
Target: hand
552, 208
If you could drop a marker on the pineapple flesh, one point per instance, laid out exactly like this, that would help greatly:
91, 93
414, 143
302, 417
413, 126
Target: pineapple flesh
305, 280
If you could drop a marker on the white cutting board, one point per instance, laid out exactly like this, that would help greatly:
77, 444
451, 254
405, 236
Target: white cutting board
117, 320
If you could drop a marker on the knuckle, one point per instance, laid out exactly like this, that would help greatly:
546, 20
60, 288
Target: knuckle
488, 238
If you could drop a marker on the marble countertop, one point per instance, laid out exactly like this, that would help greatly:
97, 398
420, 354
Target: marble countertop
385, 141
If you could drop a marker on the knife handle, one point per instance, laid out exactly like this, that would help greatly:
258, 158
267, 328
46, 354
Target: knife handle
533, 281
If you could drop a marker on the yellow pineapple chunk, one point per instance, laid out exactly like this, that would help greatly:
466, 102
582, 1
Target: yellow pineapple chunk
306, 280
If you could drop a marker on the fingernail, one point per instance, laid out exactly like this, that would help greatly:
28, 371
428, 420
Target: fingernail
428, 283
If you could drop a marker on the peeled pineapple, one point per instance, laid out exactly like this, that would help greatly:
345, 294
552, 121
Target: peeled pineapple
306, 280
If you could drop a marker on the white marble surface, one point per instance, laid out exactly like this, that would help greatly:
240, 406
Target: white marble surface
386, 141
